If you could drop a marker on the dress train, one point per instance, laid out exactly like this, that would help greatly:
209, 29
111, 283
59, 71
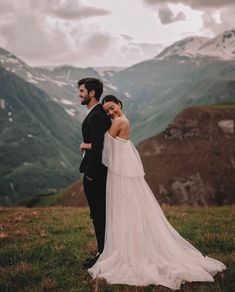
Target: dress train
141, 247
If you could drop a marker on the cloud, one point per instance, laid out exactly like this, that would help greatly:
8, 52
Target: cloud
43, 31
5, 6
67, 32
71, 10
197, 4
97, 43
68, 10
225, 10
226, 18
131, 50
55, 32
144, 49
126, 37
103, 48
85, 51
166, 15
31, 35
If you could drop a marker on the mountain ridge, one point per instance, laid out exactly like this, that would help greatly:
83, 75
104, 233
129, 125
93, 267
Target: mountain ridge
153, 93
191, 162
221, 47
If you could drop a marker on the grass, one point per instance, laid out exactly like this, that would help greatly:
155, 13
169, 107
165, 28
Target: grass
223, 105
41, 249
42, 200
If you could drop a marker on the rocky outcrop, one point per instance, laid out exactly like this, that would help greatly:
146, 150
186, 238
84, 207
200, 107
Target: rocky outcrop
193, 161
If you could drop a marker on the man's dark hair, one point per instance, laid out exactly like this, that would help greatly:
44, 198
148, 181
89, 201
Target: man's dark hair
92, 84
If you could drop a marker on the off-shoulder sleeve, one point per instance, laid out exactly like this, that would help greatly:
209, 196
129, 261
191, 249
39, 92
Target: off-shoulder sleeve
121, 157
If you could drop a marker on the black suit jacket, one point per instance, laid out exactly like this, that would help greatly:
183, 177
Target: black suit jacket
94, 127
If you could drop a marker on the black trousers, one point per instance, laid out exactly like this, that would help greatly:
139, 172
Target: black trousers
95, 192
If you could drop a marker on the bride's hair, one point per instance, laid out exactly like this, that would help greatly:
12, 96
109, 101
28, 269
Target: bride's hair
112, 98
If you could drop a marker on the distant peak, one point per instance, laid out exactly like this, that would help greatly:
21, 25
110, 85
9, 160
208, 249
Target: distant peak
188, 46
221, 47
7, 53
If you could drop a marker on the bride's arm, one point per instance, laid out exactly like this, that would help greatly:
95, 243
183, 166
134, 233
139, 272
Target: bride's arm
115, 127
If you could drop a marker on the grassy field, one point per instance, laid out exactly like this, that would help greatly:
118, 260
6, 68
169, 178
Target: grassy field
41, 249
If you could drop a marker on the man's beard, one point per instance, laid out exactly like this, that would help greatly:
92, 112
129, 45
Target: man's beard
86, 100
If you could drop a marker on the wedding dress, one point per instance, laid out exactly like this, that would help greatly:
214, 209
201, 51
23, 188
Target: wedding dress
141, 247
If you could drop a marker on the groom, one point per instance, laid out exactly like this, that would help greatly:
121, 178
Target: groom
94, 127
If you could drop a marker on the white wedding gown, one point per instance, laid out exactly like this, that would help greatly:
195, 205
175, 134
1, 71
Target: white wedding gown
141, 247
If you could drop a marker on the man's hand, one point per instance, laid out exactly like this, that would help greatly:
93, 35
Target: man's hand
89, 178
85, 146
82, 146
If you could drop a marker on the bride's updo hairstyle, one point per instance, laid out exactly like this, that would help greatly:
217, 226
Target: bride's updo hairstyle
112, 98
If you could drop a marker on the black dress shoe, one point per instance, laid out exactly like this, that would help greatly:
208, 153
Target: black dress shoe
88, 263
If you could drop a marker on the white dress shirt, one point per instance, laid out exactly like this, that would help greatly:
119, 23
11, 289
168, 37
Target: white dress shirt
91, 108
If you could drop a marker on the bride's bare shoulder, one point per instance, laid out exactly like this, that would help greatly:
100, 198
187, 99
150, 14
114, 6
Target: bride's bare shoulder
121, 120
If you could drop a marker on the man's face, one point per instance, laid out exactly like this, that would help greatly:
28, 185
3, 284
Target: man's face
84, 95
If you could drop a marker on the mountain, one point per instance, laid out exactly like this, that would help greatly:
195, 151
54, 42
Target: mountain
59, 82
220, 47
192, 161
186, 47
154, 91
63, 88
158, 89
40, 127
39, 148
41, 116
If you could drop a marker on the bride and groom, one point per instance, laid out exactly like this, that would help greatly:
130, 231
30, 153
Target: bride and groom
136, 243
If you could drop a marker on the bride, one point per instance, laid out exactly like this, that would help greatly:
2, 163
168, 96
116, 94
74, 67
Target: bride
141, 247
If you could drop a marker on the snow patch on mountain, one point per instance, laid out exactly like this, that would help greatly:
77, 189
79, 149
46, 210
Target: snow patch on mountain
110, 85
2, 103
27, 163
70, 111
127, 94
30, 78
220, 47
59, 83
186, 47
67, 102
40, 78
62, 163
12, 60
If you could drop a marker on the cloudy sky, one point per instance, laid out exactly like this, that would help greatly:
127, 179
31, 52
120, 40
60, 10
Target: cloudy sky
105, 32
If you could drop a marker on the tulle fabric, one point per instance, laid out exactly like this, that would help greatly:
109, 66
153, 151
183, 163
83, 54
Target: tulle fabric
141, 247
121, 157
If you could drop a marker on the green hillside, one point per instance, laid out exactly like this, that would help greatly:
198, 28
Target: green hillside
160, 89
39, 147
